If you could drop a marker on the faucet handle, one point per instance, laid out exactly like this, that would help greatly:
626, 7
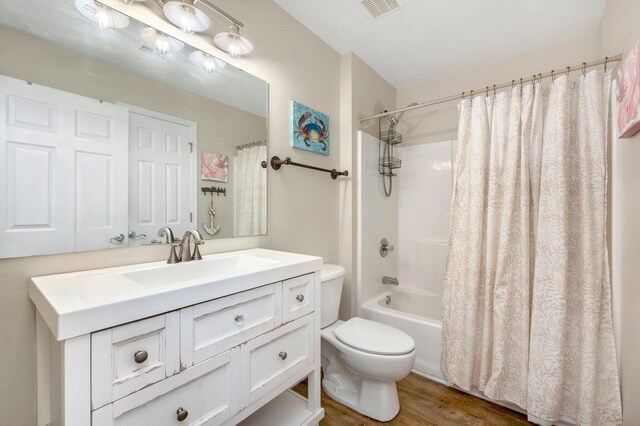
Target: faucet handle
196, 250
173, 257
385, 247
168, 233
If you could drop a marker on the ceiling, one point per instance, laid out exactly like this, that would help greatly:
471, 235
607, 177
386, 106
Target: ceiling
60, 23
425, 40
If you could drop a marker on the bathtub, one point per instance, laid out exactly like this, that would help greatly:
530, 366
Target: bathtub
417, 313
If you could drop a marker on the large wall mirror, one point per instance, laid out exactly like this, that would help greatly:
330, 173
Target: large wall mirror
107, 135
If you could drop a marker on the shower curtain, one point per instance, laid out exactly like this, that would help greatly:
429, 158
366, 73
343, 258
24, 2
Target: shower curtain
527, 298
251, 191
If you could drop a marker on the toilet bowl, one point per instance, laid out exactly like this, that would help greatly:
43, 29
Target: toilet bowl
361, 359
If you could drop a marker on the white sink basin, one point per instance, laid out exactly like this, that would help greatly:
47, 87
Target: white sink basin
78, 303
205, 269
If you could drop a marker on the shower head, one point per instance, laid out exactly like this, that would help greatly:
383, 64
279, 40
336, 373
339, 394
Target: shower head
395, 120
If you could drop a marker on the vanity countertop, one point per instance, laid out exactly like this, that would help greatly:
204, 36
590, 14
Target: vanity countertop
77, 303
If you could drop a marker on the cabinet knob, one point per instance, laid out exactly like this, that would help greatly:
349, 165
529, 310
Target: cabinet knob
140, 356
181, 414
239, 319
282, 355
300, 298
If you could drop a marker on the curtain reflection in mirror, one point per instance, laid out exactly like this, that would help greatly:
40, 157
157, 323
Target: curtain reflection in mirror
251, 190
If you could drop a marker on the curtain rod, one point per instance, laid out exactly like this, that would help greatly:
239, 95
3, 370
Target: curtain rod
582, 67
251, 144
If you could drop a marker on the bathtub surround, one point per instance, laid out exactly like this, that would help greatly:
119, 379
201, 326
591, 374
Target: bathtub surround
425, 185
377, 219
520, 322
415, 219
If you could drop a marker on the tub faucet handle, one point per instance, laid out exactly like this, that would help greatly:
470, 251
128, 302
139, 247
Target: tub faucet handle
385, 247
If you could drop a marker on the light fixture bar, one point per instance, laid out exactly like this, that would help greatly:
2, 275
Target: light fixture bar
219, 12
210, 6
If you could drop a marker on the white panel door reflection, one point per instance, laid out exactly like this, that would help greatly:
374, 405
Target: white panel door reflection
161, 171
65, 158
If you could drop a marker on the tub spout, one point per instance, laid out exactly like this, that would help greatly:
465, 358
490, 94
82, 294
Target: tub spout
390, 280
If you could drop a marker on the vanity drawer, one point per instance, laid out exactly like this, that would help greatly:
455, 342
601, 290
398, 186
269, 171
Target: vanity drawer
297, 297
270, 360
213, 327
207, 393
127, 358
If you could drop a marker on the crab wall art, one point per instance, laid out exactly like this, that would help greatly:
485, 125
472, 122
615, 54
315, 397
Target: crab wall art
310, 129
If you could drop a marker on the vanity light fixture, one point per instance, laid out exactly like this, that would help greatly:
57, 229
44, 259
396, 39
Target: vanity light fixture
105, 17
233, 43
206, 61
186, 16
161, 42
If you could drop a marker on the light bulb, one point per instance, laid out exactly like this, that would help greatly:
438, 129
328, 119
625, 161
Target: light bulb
162, 44
233, 43
208, 63
235, 47
104, 18
188, 22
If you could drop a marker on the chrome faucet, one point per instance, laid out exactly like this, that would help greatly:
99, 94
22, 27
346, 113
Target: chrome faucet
185, 249
390, 280
168, 233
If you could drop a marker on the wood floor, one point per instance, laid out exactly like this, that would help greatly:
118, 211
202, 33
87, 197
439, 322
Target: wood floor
425, 402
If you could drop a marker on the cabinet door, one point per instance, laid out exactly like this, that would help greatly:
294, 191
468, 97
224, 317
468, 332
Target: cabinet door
270, 360
297, 297
213, 327
127, 358
206, 394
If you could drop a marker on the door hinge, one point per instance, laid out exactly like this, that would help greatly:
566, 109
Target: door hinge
191, 147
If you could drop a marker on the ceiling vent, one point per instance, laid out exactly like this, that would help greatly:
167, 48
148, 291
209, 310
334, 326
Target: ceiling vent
379, 8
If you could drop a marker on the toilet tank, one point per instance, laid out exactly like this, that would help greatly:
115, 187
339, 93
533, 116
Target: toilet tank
332, 277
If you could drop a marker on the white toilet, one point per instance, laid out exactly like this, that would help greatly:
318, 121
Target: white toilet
361, 359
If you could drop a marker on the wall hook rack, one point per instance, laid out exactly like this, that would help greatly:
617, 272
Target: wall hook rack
276, 163
214, 190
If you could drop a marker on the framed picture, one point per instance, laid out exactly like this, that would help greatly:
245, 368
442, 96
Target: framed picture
309, 129
214, 166
629, 94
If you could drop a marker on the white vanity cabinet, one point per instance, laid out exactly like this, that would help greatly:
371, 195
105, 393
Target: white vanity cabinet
221, 359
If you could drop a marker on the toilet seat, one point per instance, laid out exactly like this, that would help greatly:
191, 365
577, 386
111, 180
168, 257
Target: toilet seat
374, 337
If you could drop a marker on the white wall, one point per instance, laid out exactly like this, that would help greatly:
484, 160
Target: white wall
425, 189
440, 122
619, 30
378, 220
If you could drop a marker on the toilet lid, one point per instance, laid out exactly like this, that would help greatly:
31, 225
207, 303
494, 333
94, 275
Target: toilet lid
374, 337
